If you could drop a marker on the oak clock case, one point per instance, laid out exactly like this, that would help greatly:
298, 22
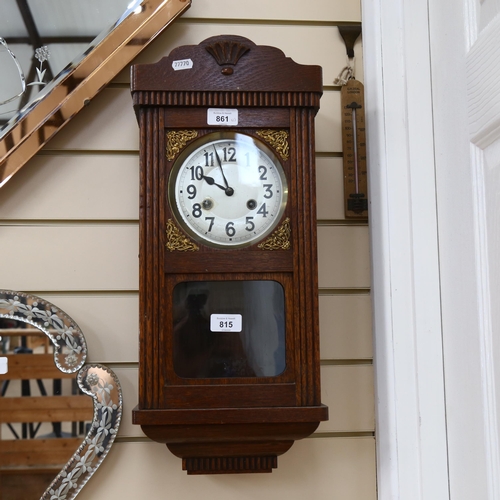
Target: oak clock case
229, 341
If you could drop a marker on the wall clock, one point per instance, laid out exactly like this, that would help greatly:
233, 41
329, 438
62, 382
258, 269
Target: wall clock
229, 348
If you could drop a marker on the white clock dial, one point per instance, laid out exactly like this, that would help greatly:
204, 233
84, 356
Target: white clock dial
228, 190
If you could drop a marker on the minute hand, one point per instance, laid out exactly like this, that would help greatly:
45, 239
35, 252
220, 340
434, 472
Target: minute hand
220, 166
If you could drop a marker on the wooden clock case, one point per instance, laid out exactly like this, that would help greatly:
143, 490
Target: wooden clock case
228, 425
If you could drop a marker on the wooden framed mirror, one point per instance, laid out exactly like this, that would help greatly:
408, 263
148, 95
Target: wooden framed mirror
54, 102
53, 436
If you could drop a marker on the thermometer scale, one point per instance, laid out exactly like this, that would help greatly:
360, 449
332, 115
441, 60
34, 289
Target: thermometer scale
354, 150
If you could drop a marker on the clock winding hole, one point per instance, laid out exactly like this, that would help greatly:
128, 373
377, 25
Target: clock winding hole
207, 204
251, 204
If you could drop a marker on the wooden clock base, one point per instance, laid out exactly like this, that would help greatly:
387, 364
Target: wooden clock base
229, 440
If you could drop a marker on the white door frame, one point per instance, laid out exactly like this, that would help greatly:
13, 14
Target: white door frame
412, 460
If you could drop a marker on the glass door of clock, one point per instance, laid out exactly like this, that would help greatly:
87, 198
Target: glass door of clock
227, 329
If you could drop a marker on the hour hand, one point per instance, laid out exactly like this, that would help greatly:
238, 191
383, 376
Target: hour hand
228, 190
211, 182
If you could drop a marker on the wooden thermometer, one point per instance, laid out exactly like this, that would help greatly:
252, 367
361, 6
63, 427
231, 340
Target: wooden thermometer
354, 150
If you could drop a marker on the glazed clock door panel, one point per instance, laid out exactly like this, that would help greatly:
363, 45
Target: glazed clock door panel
232, 340
227, 190
229, 329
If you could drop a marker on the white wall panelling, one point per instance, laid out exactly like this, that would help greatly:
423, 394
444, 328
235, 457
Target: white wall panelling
291, 10
313, 468
45, 188
330, 188
69, 232
70, 257
345, 326
109, 321
320, 43
411, 431
343, 257
105, 194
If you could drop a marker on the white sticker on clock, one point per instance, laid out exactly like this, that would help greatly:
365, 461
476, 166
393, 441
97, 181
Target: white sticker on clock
222, 116
182, 64
4, 367
225, 322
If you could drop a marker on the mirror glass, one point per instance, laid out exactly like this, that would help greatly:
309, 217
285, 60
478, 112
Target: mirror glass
53, 436
56, 55
40, 38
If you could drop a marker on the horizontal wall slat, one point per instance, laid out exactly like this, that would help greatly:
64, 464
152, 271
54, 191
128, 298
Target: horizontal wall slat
317, 468
109, 322
73, 187
61, 257
109, 124
347, 390
345, 327
319, 10
329, 188
106, 187
321, 45
343, 257
105, 257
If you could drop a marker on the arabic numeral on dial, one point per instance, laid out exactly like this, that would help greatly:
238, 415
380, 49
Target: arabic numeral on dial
230, 231
263, 210
196, 173
250, 225
196, 210
211, 219
269, 192
191, 189
263, 173
229, 154
209, 159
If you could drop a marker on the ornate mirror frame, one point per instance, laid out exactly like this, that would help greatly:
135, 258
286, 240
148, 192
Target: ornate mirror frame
80, 81
97, 381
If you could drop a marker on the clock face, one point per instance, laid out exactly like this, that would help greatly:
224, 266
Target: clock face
227, 190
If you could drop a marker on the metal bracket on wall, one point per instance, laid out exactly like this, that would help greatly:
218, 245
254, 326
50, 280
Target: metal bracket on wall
350, 34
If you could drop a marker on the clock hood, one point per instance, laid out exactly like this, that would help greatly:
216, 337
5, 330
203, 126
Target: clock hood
230, 63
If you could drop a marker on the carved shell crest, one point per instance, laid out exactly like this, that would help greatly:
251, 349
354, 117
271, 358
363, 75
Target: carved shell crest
227, 52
